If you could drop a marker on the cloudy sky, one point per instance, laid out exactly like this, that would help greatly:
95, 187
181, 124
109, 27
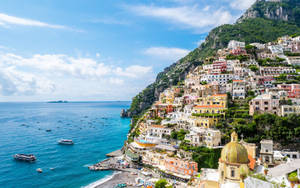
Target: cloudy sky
95, 50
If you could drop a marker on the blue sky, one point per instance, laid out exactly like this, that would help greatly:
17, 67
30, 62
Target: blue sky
99, 50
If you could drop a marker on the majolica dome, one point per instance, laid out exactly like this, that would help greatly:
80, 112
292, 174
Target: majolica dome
234, 152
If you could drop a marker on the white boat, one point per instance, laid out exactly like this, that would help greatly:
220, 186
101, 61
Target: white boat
65, 142
25, 157
39, 170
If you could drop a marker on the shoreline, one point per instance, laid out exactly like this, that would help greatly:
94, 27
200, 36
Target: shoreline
112, 180
101, 181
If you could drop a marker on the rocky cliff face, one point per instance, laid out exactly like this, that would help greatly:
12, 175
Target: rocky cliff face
280, 10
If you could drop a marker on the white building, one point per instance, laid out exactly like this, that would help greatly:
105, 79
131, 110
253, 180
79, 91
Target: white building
233, 44
200, 136
221, 79
238, 89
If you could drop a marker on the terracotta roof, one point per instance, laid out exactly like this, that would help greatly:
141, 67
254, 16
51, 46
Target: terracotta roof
157, 126
237, 80
221, 95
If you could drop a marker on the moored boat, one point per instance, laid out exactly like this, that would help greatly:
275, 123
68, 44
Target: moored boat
25, 157
65, 142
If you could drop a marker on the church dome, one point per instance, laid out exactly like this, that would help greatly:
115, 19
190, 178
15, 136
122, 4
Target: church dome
234, 152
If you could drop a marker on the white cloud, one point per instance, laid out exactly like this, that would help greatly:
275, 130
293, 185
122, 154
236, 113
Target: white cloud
133, 71
185, 16
171, 54
14, 82
6, 20
44, 74
206, 8
241, 4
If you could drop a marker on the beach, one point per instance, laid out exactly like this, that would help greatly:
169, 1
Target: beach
117, 178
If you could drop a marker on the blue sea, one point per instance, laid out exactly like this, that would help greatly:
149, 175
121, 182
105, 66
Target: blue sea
95, 127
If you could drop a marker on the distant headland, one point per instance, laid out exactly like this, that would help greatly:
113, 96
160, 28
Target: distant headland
60, 101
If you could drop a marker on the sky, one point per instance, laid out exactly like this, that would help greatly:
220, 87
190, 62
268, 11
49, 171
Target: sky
92, 50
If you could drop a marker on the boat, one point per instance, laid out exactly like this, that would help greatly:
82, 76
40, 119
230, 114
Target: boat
39, 170
25, 157
48, 130
66, 142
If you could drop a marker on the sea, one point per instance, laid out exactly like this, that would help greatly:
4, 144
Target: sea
95, 127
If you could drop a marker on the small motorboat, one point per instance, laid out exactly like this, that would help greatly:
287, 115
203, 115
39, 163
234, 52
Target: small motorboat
48, 130
65, 142
25, 157
39, 170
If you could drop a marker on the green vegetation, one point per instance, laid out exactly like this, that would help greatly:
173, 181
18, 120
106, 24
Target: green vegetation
259, 176
205, 157
288, 79
293, 177
253, 68
291, 54
179, 135
272, 62
238, 57
162, 183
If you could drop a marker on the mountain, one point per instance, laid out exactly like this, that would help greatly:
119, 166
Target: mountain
263, 22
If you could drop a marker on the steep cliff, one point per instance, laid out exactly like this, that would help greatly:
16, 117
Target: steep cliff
280, 10
265, 21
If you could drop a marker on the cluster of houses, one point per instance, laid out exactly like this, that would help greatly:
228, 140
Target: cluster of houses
192, 110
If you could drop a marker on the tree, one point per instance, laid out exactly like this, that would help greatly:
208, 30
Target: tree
162, 183
253, 68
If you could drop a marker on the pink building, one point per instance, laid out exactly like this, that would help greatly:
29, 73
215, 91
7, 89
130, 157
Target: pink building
293, 90
266, 103
219, 66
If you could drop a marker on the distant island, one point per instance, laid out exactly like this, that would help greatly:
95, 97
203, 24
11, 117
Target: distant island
60, 101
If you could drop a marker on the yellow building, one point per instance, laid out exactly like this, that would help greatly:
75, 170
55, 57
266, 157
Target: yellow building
217, 99
233, 164
209, 109
206, 122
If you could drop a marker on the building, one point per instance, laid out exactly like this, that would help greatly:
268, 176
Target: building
180, 167
200, 136
221, 79
293, 60
286, 110
209, 109
238, 89
276, 49
293, 90
216, 99
219, 66
158, 131
233, 162
233, 44
276, 71
266, 103
266, 152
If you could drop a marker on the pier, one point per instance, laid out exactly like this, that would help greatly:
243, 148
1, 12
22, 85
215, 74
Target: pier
112, 164
116, 153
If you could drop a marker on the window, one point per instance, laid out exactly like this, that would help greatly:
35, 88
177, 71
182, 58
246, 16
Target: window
294, 156
232, 173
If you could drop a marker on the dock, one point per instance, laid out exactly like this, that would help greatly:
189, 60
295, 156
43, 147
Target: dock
116, 153
110, 164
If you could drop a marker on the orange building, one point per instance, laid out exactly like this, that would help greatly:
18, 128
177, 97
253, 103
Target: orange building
181, 166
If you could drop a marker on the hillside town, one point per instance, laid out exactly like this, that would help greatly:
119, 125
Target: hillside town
196, 134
